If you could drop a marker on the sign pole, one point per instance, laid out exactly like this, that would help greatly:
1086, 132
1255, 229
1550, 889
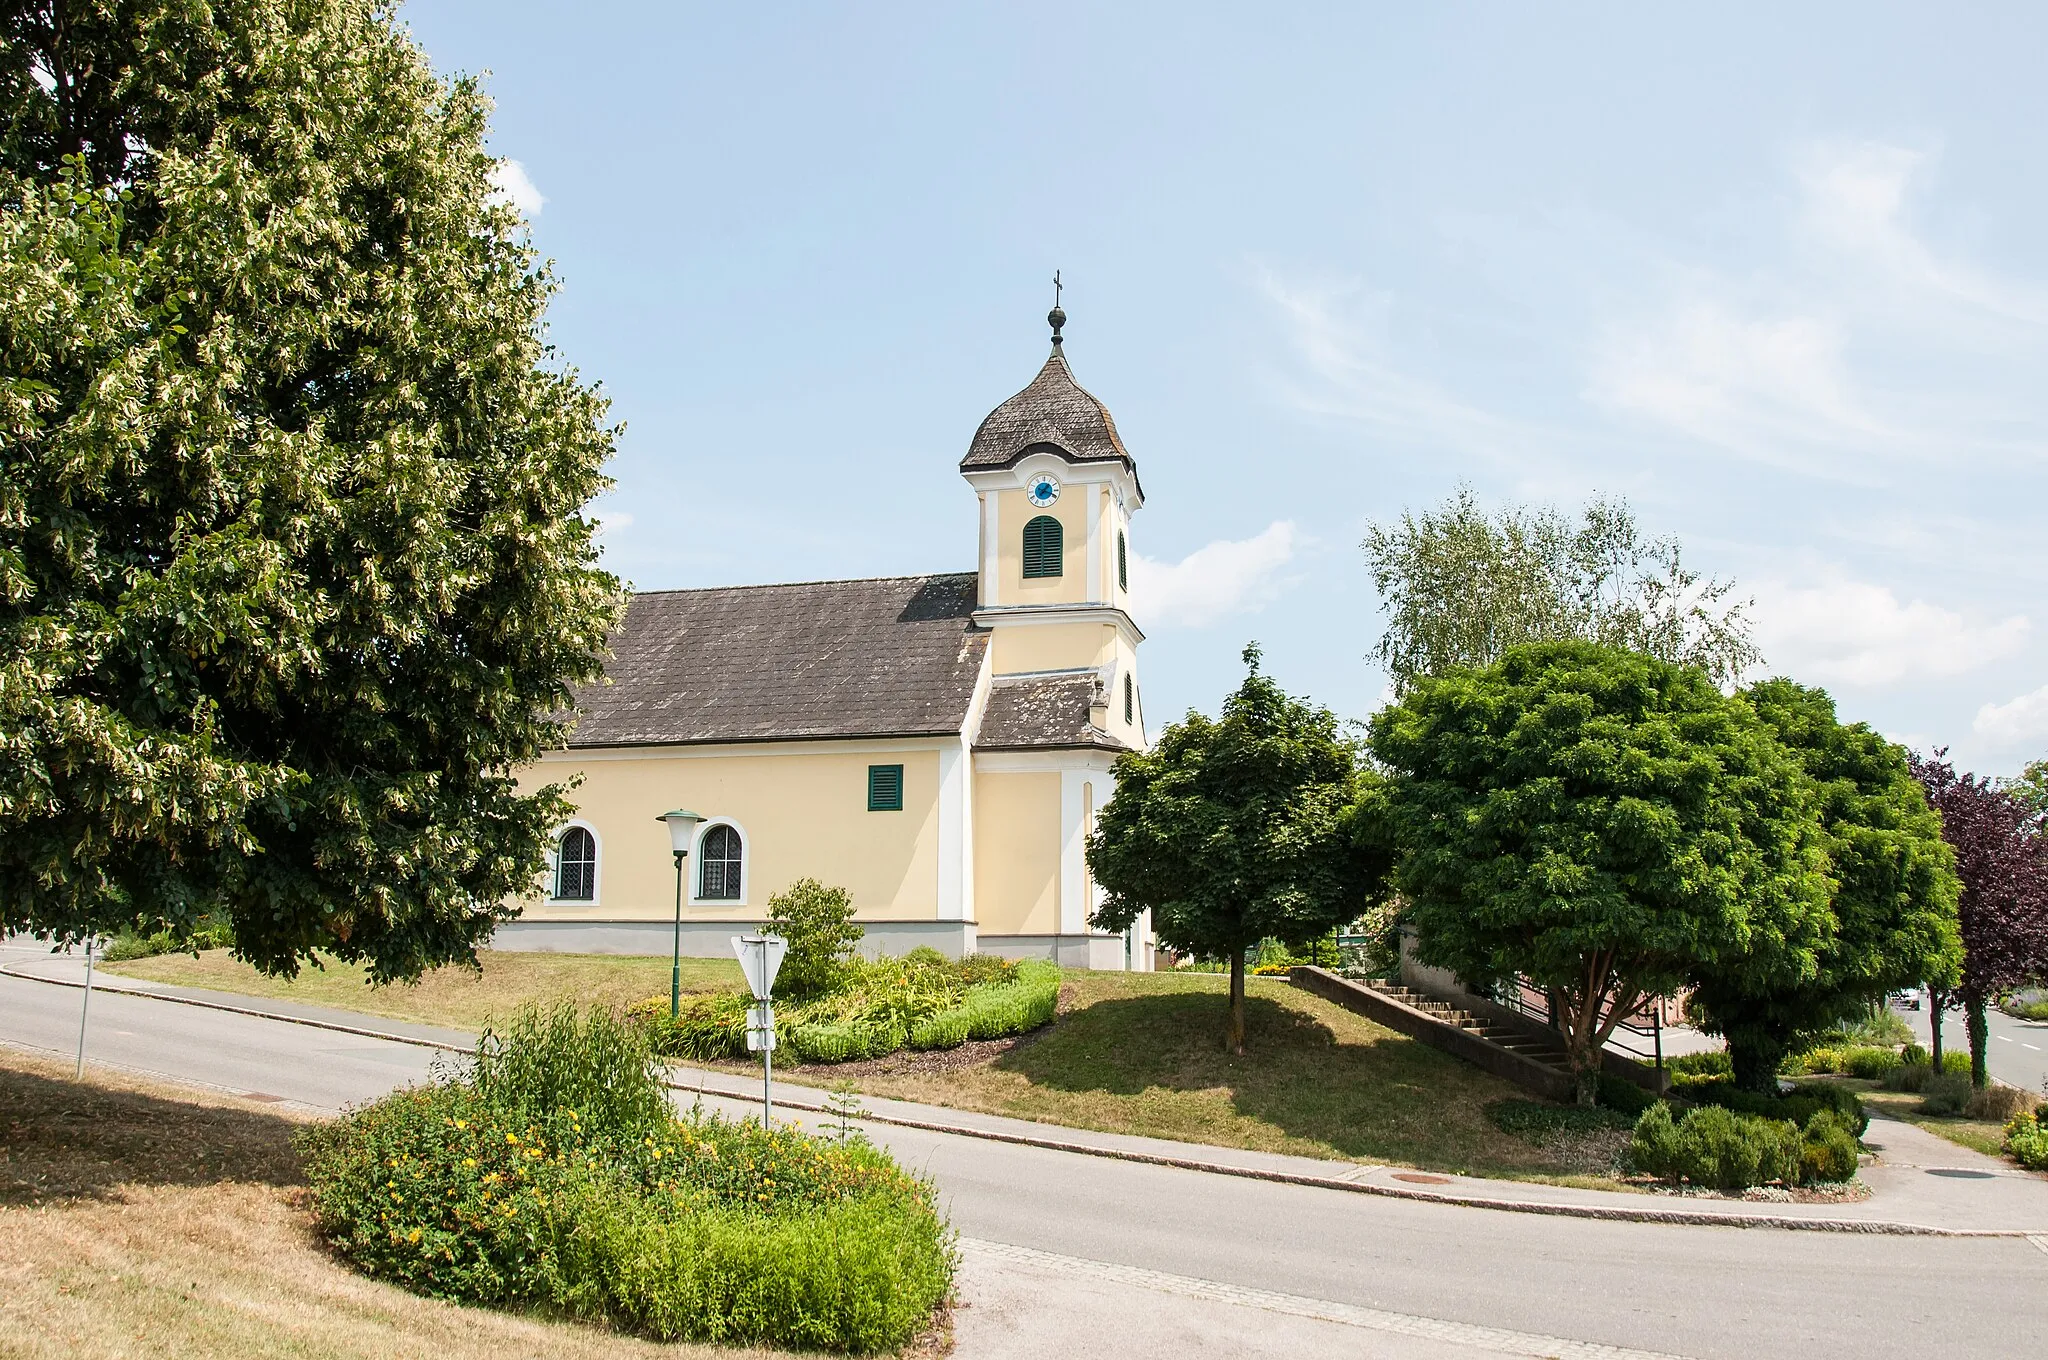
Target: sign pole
760, 956
84, 1009
767, 1070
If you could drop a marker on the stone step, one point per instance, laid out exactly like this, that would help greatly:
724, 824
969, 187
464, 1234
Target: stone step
1515, 1041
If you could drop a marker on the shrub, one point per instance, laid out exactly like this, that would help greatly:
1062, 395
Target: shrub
1798, 1106
947, 1029
1827, 1149
1715, 1147
705, 1029
1709, 1065
1880, 1028
1537, 1121
1623, 1095
207, 933
1945, 1093
1913, 1054
1956, 1060
1999, 1103
1871, 1064
1016, 1007
818, 923
552, 1176
2026, 1141
1816, 1061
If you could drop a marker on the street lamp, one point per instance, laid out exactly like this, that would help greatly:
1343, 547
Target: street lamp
681, 826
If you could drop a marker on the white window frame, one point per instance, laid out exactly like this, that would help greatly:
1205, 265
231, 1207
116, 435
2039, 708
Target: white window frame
696, 868
555, 868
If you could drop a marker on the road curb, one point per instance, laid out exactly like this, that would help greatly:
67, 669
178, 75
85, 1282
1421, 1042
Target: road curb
1691, 1218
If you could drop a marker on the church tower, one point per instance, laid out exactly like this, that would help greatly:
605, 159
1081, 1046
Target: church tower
1057, 490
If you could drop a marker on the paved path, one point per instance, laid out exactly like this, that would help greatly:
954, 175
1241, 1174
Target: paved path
1075, 1254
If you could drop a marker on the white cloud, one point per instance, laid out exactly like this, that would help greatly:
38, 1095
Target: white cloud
1844, 631
1223, 578
2024, 719
1765, 386
509, 181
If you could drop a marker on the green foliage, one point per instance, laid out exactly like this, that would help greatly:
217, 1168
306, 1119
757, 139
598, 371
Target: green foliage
2026, 1141
703, 1029
1539, 1122
922, 1000
1715, 1147
1814, 1062
1871, 1064
1875, 1027
1460, 588
1827, 1149
818, 923
1912, 1055
1915, 1075
1946, 1093
1798, 1106
553, 1177
1234, 830
1618, 1093
294, 570
1693, 1066
1891, 921
1602, 822
204, 932
2027, 1010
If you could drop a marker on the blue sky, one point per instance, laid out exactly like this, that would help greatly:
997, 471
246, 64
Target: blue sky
1779, 275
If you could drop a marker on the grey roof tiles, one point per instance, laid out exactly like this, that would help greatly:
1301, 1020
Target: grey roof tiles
1053, 412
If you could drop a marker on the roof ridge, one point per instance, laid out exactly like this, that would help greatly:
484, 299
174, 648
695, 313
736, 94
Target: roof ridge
792, 585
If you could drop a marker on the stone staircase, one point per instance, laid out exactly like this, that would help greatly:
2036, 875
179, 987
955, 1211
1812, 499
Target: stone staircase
1548, 1052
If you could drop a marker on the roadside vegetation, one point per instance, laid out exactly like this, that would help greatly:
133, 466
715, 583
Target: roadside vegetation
549, 1174
143, 1219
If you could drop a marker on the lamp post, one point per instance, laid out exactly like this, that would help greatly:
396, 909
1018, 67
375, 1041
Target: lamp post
681, 826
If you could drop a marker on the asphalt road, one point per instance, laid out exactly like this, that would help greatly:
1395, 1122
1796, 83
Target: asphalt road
2018, 1052
1705, 1292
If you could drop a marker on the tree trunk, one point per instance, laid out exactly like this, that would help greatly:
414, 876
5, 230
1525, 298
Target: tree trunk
1588, 1079
1237, 1003
1937, 1003
1755, 1057
1979, 1026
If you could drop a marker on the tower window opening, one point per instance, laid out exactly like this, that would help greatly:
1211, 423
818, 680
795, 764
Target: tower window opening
1123, 569
1129, 703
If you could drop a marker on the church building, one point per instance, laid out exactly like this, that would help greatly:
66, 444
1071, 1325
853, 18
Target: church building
936, 745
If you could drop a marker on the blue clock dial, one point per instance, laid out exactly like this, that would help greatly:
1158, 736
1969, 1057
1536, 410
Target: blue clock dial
1043, 490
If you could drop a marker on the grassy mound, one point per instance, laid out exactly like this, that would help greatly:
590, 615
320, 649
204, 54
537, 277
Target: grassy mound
552, 1176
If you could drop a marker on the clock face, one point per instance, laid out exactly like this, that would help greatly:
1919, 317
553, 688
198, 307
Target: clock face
1043, 489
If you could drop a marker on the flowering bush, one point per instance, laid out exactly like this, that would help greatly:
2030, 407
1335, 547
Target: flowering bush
602, 1205
2026, 1141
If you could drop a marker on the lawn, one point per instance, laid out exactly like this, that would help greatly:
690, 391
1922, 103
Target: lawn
1142, 1053
1138, 1053
138, 1219
456, 997
1979, 1135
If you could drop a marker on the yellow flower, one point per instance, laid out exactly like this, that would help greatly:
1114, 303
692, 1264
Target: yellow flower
413, 1236
469, 1161
512, 1138
462, 1123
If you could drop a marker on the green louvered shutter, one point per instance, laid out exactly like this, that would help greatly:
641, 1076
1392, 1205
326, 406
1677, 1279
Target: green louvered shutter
1043, 547
1123, 570
885, 788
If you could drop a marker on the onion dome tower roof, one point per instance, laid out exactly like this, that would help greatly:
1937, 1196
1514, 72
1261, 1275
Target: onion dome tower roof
1054, 414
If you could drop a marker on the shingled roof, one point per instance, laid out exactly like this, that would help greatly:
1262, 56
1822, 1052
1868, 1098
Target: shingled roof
1036, 712
897, 656
1055, 414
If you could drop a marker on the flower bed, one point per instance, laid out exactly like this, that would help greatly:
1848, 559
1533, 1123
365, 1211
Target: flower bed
552, 1175
921, 1001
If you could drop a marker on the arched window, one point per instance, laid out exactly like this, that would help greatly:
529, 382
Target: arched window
719, 856
576, 866
1043, 547
1123, 566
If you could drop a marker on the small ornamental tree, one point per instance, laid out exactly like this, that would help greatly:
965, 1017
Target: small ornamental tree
818, 923
1893, 913
294, 571
1603, 823
1233, 830
2002, 860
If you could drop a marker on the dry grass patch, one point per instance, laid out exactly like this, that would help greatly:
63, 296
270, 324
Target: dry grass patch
1979, 1135
1142, 1053
456, 997
138, 1219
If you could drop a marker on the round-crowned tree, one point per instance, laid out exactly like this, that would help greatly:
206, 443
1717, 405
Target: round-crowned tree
1892, 916
1602, 823
294, 570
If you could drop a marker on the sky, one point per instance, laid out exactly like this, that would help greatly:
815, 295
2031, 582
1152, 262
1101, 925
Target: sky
1777, 275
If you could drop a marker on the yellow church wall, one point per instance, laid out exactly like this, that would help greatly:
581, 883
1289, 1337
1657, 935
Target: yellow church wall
801, 814
1016, 852
1016, 648
1013, 511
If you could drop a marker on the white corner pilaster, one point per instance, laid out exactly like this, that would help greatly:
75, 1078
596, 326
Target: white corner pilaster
1094, 582
991, 550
